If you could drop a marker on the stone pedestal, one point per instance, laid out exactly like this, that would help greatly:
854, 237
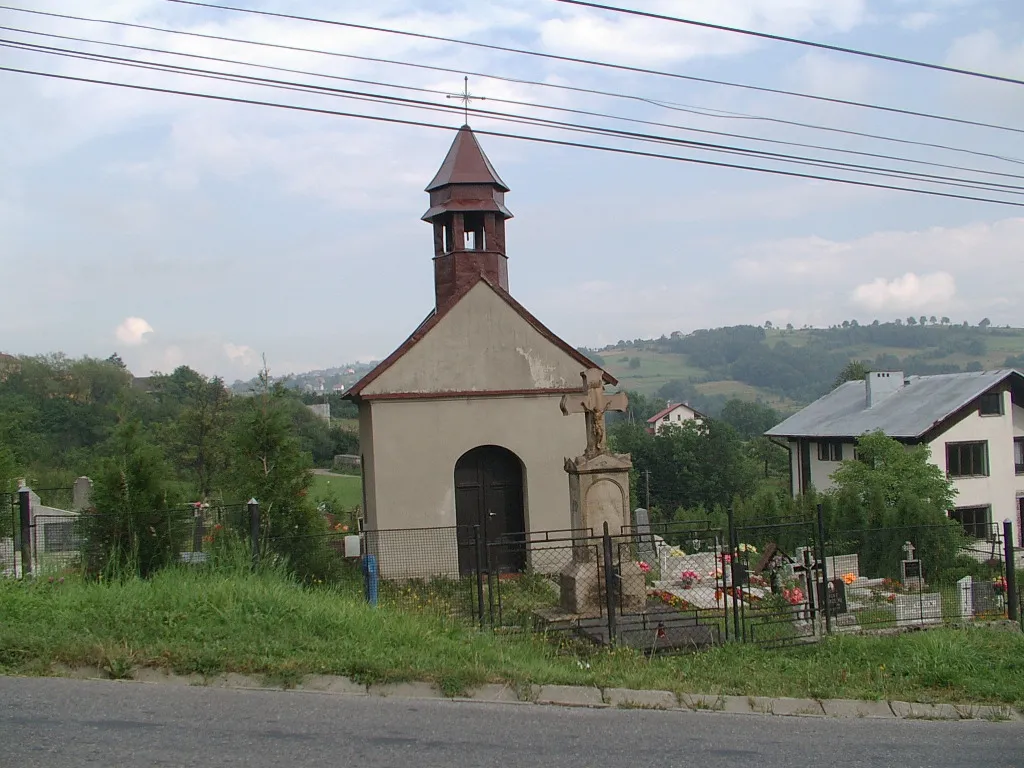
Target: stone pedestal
599, 494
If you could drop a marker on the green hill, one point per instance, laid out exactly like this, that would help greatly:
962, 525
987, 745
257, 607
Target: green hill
788, 368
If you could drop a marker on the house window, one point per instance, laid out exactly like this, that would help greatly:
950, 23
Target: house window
991, 404
830, 451
976, 521
1018, 455
967, 459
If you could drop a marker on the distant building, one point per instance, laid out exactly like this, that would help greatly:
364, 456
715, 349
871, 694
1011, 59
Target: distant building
972, 422
676, 414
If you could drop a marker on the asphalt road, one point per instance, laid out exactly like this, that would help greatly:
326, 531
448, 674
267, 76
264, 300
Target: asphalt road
56, 723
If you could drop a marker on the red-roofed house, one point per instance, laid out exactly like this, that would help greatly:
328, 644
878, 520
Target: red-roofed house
676, 414
461, 424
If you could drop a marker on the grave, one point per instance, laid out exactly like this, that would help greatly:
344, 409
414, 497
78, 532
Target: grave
965, 595
984, 598
645, 546
832, 596
910, 570
923, 608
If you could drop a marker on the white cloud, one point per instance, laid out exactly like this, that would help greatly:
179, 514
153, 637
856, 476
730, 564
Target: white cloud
240, 354
919, 20
907, 292
132, 331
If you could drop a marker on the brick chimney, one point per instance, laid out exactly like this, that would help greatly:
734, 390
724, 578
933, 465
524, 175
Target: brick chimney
880, 385
467, 209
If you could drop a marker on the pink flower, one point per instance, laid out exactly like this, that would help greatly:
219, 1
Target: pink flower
644, 567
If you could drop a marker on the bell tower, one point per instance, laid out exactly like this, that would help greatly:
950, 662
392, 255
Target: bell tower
467, 210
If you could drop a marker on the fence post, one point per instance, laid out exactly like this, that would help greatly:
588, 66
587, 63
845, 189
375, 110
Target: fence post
25, 528
478, 544
733, 551
609, 585
826, 603
254, 532
198, 529
1011, 572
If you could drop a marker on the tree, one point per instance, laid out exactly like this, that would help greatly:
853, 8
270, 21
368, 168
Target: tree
200, 433
932, 320
855, 370
768, 324
897, 472
269, 465
134, 526
985, 323
749, 419
911, 321
789, 326
634, 363
923, 320
944, 321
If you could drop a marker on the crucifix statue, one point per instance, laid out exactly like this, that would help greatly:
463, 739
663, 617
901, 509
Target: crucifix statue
466, 97
594, 404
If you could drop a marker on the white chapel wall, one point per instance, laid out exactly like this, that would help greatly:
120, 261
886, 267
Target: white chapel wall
482, 345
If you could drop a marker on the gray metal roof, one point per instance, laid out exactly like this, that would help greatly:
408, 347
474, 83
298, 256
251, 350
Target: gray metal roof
919, 405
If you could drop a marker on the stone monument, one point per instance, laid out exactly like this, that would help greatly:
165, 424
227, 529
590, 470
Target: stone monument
598, 494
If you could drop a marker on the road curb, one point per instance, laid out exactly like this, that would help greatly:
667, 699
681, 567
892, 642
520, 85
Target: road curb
579, 696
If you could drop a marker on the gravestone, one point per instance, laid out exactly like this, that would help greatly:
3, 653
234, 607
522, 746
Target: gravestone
912, 579
840, 565
965, 593
644, 541
81, 494
832, 596
919, 609
598, 494
983, 596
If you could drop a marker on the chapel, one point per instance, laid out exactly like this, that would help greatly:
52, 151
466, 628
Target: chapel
461, 424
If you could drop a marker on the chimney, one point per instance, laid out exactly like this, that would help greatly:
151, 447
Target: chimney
880, 385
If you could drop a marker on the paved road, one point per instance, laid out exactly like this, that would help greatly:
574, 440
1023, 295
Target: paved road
56, 723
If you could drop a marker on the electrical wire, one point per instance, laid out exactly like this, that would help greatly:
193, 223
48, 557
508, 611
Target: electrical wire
784, 39
589, 62
517, 102
975, 184
663, 104
514, 136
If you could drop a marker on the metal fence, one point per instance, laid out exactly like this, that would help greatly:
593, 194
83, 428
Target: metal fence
657, 588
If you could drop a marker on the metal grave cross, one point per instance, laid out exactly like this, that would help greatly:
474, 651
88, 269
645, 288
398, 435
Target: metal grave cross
465, 97
594, 404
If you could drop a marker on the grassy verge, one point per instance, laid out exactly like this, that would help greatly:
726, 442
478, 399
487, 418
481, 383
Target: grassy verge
210, 622
346, 490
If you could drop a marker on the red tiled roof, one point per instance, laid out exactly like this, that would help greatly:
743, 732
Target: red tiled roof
665, 411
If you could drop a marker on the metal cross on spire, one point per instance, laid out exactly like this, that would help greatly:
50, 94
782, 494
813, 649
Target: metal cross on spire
465, 97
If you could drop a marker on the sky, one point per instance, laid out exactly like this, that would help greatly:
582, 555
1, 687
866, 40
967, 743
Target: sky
178, 230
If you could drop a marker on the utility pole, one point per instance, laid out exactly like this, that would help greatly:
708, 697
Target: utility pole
647, 484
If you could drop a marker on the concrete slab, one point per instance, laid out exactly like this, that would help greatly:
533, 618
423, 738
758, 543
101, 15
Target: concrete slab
795, 707
914, 711
165, 677
570, 696
989, 712
331, 684
704, 702
406, 690
737, 705
855, 708
235, 680
493, 692
630, 699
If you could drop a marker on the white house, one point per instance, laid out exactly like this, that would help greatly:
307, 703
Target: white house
972, 422
674, 414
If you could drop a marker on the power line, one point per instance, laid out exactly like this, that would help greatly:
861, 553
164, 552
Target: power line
517, 103
611, 94
784, 39
518, 137
589, 62
975, 184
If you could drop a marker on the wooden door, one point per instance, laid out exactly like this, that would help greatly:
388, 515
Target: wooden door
489, 494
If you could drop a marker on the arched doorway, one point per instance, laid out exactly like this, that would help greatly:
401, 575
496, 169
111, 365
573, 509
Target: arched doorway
489, 493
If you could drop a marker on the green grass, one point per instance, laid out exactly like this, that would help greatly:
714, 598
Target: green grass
346, 490
208, 621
